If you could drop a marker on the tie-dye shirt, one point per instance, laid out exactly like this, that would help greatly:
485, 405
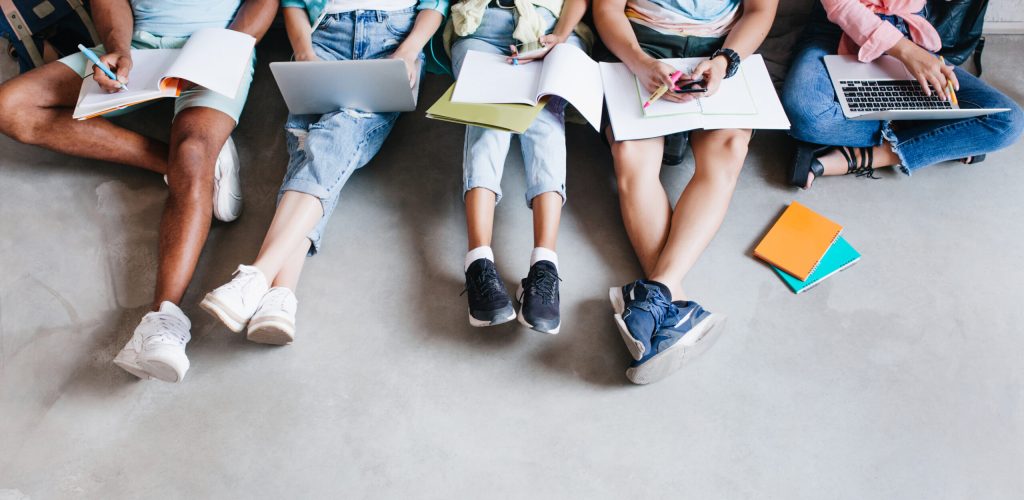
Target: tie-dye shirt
707, 18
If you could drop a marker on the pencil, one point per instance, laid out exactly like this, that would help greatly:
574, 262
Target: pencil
949, 86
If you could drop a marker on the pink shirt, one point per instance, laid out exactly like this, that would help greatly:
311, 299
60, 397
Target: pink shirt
868, 36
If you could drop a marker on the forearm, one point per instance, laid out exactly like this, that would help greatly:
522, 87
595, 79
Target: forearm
300, 33
753, 26
571, 15
617, 32
114, 23
254, 17
427, 23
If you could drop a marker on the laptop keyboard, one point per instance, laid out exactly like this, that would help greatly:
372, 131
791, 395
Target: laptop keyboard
886, 95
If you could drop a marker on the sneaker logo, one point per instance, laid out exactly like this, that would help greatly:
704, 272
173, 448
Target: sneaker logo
685, 318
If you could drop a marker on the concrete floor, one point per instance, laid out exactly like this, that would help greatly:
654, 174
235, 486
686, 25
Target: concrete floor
899, 378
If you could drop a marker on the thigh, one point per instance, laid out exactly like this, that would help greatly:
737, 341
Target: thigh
206, 98
463, 45
54, 85
975, 93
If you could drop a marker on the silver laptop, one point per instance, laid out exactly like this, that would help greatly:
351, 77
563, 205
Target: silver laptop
885, 90
318, 87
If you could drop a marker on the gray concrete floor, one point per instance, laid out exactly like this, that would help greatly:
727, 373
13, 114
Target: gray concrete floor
899, 378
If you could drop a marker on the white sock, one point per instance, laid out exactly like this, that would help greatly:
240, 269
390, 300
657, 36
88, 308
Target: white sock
478, 253
541, 253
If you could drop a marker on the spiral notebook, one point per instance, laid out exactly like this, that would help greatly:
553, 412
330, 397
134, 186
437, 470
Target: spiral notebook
798, 241
839, 256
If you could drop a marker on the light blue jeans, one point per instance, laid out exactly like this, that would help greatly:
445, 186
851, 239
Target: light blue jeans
543, 144
817, 116
324, 150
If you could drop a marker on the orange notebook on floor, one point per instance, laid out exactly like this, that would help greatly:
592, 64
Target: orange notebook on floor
798, 241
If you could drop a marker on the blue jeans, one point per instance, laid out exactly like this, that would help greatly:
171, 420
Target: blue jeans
543, 144
817, 116
324, 150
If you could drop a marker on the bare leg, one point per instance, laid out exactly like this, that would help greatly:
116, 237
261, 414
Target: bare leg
36, 108
719, 156
288, 275
479, 216
547, 213
645, 208
197, 136
296, 215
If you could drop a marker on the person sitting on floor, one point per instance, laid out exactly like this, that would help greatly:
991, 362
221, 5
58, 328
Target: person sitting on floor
834, 145
659, 332
200, 165
496, 27
323, 150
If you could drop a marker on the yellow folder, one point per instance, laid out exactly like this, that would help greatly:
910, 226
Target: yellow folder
514, 118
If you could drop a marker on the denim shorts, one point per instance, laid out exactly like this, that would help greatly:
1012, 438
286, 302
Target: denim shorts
324, 150
191, 98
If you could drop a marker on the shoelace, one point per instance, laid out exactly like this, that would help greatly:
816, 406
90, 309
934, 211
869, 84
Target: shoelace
486, 285
656, 304
168, 330
545, 285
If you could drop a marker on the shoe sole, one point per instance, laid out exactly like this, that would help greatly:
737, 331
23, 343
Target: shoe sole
508, 316
636, 348
271, 331
672, 359
224, 198
217, 309
161, 370
133, 368
522, 317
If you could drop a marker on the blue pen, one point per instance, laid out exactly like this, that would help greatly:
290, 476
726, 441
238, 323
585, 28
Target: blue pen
99, 64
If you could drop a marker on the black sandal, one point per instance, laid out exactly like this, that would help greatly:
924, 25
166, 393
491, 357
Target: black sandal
806, 161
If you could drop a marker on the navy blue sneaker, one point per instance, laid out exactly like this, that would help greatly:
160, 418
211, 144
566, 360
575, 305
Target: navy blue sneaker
685, 334
489, 303
538, 298
640, 309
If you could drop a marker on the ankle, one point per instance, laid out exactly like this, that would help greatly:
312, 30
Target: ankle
541, 253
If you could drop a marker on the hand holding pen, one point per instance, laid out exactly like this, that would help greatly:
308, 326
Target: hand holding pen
106, 66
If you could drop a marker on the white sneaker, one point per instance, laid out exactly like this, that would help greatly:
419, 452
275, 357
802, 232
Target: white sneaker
227, 184
162, 337
128, 358
234, 302
274, 321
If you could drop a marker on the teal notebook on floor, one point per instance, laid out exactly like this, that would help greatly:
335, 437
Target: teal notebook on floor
838, 257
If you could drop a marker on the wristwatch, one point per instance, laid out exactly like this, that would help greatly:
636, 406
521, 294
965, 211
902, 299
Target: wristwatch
732, 57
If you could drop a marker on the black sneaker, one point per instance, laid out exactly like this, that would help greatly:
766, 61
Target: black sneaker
489, 303
538, 298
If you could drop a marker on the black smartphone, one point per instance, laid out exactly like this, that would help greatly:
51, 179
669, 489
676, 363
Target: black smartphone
691, 87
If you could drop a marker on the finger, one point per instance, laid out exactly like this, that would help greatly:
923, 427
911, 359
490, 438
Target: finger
700, 70
938, 81
104, 81
124, 66
951, 75
923, 82
673, 97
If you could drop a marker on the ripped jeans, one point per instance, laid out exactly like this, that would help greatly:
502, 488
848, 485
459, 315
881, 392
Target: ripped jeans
324, 150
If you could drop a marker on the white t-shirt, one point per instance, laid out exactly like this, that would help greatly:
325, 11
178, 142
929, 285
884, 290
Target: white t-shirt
339, 6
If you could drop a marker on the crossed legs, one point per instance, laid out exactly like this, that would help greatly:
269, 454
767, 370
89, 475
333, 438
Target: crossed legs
668, 242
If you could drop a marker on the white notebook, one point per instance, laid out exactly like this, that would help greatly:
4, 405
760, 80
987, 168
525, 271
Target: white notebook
566, 72
728, 108
212, 58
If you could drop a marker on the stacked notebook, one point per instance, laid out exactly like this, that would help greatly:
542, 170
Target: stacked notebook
804, 247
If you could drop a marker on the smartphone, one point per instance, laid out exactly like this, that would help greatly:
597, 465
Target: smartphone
690, 87
527, 49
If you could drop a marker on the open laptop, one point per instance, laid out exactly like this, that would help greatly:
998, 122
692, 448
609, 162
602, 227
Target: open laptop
371, 85
885, 90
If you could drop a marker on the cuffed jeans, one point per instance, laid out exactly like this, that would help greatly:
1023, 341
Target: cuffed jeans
817, 117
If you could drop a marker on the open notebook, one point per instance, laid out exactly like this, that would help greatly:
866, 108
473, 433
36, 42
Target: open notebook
747, 100
733, 97
213, 58
566, 72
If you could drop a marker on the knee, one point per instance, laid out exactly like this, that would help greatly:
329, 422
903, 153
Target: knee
191, 170
722, 158
630, 169
1010, 125
16, 121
